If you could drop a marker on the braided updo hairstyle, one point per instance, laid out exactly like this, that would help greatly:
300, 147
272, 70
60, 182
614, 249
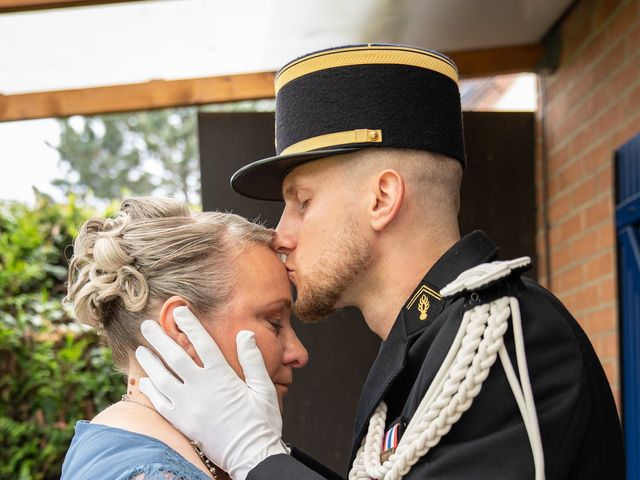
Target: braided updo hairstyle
124, 268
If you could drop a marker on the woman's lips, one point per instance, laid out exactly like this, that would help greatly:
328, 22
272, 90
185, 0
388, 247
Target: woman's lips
291, 274
283, 387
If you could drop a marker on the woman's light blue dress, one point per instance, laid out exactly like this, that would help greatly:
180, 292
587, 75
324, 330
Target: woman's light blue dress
108, 453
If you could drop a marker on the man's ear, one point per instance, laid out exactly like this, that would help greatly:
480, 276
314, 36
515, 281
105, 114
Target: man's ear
168, 324
388, 195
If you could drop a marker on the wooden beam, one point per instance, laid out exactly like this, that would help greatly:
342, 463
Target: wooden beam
12, 6
496, 61
137, 96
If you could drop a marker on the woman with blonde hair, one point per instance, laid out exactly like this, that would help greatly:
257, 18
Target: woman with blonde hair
157, 261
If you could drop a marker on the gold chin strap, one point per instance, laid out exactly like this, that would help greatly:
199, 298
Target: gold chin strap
362, 135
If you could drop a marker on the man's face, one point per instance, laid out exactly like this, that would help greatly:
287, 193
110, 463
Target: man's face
323, 237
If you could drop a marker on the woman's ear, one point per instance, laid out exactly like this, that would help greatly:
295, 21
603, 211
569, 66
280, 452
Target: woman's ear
169, 325
388, 196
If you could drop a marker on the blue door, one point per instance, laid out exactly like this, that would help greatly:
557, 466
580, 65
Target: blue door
628, 227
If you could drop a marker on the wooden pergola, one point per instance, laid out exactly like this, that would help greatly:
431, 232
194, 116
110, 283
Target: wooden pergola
201, 91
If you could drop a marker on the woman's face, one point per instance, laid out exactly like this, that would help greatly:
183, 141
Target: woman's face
261, 303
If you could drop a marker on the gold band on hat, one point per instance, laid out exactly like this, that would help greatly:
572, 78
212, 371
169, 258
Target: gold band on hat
367, 55
361, 135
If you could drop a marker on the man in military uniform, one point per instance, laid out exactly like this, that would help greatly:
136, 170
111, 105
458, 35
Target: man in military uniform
370, 157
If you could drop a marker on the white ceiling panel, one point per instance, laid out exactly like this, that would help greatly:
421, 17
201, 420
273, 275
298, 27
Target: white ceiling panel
172, 39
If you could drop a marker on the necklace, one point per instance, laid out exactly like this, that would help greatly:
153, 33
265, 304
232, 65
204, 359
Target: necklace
126, 398
196, 446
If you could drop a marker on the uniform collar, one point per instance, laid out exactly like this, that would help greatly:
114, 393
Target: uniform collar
418, 312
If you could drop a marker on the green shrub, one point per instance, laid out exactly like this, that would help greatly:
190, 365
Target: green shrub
53, 371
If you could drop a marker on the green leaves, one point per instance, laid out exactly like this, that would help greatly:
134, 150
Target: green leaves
53, 371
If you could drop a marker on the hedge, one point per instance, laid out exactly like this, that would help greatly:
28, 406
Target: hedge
53, 371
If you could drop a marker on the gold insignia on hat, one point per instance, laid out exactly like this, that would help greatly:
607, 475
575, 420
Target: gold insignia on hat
422, 297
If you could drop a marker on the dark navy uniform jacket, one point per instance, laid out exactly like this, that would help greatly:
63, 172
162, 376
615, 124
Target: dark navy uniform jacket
579, 425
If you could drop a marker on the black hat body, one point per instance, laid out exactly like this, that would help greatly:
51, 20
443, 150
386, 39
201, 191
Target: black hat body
344, 99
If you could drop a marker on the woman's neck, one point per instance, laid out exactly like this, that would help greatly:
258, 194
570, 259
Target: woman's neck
135, 413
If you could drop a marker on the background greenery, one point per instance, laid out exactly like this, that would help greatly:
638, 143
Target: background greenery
53, 371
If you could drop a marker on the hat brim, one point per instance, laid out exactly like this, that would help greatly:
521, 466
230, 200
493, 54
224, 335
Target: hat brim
262, 180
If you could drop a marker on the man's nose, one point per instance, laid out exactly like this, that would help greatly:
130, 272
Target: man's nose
284, 241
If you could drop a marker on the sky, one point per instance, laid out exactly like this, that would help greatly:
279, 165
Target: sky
27, 159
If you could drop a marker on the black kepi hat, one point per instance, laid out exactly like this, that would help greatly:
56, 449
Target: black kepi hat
344, 99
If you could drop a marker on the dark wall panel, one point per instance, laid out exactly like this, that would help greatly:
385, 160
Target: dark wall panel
498, 191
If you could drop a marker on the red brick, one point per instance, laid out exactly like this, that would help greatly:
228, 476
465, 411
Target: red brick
596, 157
627, 133
582, 88
623, 80
571, 302
607, 291
610, 62
583, 140
611, 347
599, 266
570, 175
598, 212
622, 21
595, 48
583, 193
577, 119
605, 235
561, 257
610, 369
604, 9
559, 207
633, 40
612, 118
584, 246
632, 101
587, 297
557, 160
604, 179
575, 29
571, 227
602, 320
569, 279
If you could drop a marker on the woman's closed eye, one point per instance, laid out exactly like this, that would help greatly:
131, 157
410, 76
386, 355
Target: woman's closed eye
275, 322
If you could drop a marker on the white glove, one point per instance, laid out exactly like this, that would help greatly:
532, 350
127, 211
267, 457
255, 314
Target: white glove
237, 424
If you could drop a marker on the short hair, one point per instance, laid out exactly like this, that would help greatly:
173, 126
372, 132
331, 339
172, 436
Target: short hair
433, 180
124, 268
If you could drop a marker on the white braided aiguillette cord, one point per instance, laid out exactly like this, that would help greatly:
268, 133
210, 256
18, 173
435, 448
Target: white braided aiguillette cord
456, 384
430, 433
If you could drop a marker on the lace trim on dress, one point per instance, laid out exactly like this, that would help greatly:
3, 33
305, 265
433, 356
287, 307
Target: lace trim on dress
175, 467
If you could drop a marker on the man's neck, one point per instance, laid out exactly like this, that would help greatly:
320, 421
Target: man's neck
392, 280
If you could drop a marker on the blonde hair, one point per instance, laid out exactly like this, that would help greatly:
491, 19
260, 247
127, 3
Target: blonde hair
124, 268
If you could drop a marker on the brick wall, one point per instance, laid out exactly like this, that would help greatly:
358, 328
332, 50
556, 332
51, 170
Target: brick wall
591, 107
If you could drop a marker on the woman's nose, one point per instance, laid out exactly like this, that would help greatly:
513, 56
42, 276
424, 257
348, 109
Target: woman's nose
296, 354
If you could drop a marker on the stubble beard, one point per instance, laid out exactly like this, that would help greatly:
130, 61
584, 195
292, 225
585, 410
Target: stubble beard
326, 282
